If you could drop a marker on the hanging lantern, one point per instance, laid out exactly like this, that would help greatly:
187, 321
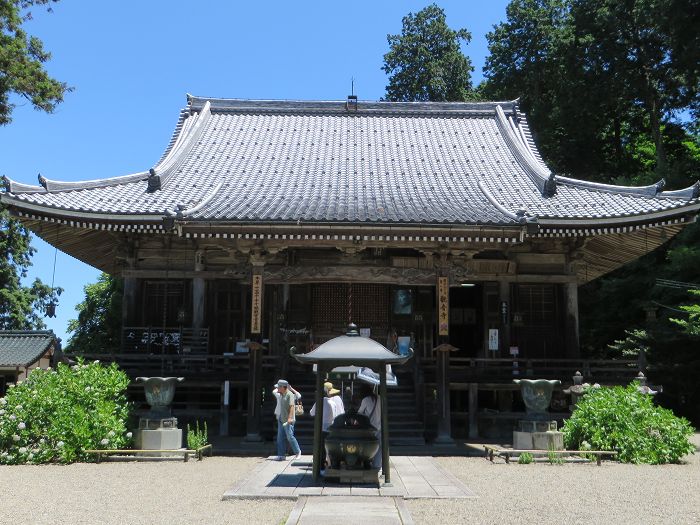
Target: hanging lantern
51, 309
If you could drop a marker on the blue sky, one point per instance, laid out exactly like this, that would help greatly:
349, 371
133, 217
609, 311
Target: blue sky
131, 64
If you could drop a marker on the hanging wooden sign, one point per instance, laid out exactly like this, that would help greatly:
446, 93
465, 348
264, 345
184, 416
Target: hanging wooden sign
443, 293
256, 305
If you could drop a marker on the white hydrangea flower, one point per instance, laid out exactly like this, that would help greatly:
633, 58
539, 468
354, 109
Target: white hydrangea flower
30, 456
42, 441
104, 442
129, 435
22, 450
96, 361
21, 425
60, 444
2, 412
12, 417
15, 438
110, 433
19, 407
75, 367
3, 401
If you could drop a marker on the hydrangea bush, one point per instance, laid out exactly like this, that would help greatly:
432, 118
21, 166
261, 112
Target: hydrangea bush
627, 421
55, 415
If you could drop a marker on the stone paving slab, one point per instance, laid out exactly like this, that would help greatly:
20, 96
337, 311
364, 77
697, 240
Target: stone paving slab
412, 477
349, 510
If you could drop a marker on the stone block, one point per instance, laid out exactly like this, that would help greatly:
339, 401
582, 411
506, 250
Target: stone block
161, 439
548, 440
531, 425
522, 440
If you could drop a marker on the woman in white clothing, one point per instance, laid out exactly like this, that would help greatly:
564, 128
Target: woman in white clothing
372, 408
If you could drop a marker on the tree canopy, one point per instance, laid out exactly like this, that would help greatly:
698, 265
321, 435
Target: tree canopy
21, 306
22, 73
425, 62
98, 326
604, 82
22, 59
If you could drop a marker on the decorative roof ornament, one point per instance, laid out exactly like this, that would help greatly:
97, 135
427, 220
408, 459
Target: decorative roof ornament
153, 180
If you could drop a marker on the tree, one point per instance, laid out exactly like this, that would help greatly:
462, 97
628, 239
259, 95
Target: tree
602, 81
97, 328
425, 62
22, 73
22, 59
20, 306
690, 326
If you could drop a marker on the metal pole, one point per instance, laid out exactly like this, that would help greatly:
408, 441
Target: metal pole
385, 424
318, 453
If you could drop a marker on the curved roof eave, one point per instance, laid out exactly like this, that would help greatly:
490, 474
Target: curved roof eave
623, 219
63, 212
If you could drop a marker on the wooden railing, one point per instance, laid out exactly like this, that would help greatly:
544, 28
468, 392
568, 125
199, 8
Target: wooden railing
191, 365
468, 369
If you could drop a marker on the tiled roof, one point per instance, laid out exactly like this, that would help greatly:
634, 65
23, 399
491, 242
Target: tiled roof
386, 163
24, 347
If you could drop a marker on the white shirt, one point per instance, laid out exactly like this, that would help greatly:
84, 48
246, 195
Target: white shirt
338, 407
278, 397
328, 413
372, 408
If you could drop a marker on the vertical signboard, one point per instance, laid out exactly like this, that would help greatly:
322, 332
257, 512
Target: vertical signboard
256, 305
443, 293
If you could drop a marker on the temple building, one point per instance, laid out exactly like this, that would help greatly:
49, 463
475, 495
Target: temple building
267, 225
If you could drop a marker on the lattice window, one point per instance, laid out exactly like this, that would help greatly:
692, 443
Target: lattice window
332, 307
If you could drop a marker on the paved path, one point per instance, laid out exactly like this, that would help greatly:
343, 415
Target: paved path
412, 477
349, 510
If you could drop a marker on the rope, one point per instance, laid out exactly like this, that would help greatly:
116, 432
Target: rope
349, 303
55, 255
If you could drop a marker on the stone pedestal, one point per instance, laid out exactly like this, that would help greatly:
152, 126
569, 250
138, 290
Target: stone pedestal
157, 434
159, 439
537, 435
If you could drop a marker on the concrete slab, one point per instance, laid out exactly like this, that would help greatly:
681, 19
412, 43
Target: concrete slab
344, 510
411, 477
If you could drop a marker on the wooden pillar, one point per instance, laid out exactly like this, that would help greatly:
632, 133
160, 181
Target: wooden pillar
199, 291
386, 467
442, 355
255, 351
318, 421
505, 307
473, 407
571, 325
129, 301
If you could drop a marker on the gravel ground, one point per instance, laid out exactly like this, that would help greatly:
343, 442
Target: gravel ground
133, 492
571, 493
175, 492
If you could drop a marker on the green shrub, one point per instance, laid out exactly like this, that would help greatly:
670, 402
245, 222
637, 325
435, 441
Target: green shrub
626, 421
525, 458
197, 438
55, 415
